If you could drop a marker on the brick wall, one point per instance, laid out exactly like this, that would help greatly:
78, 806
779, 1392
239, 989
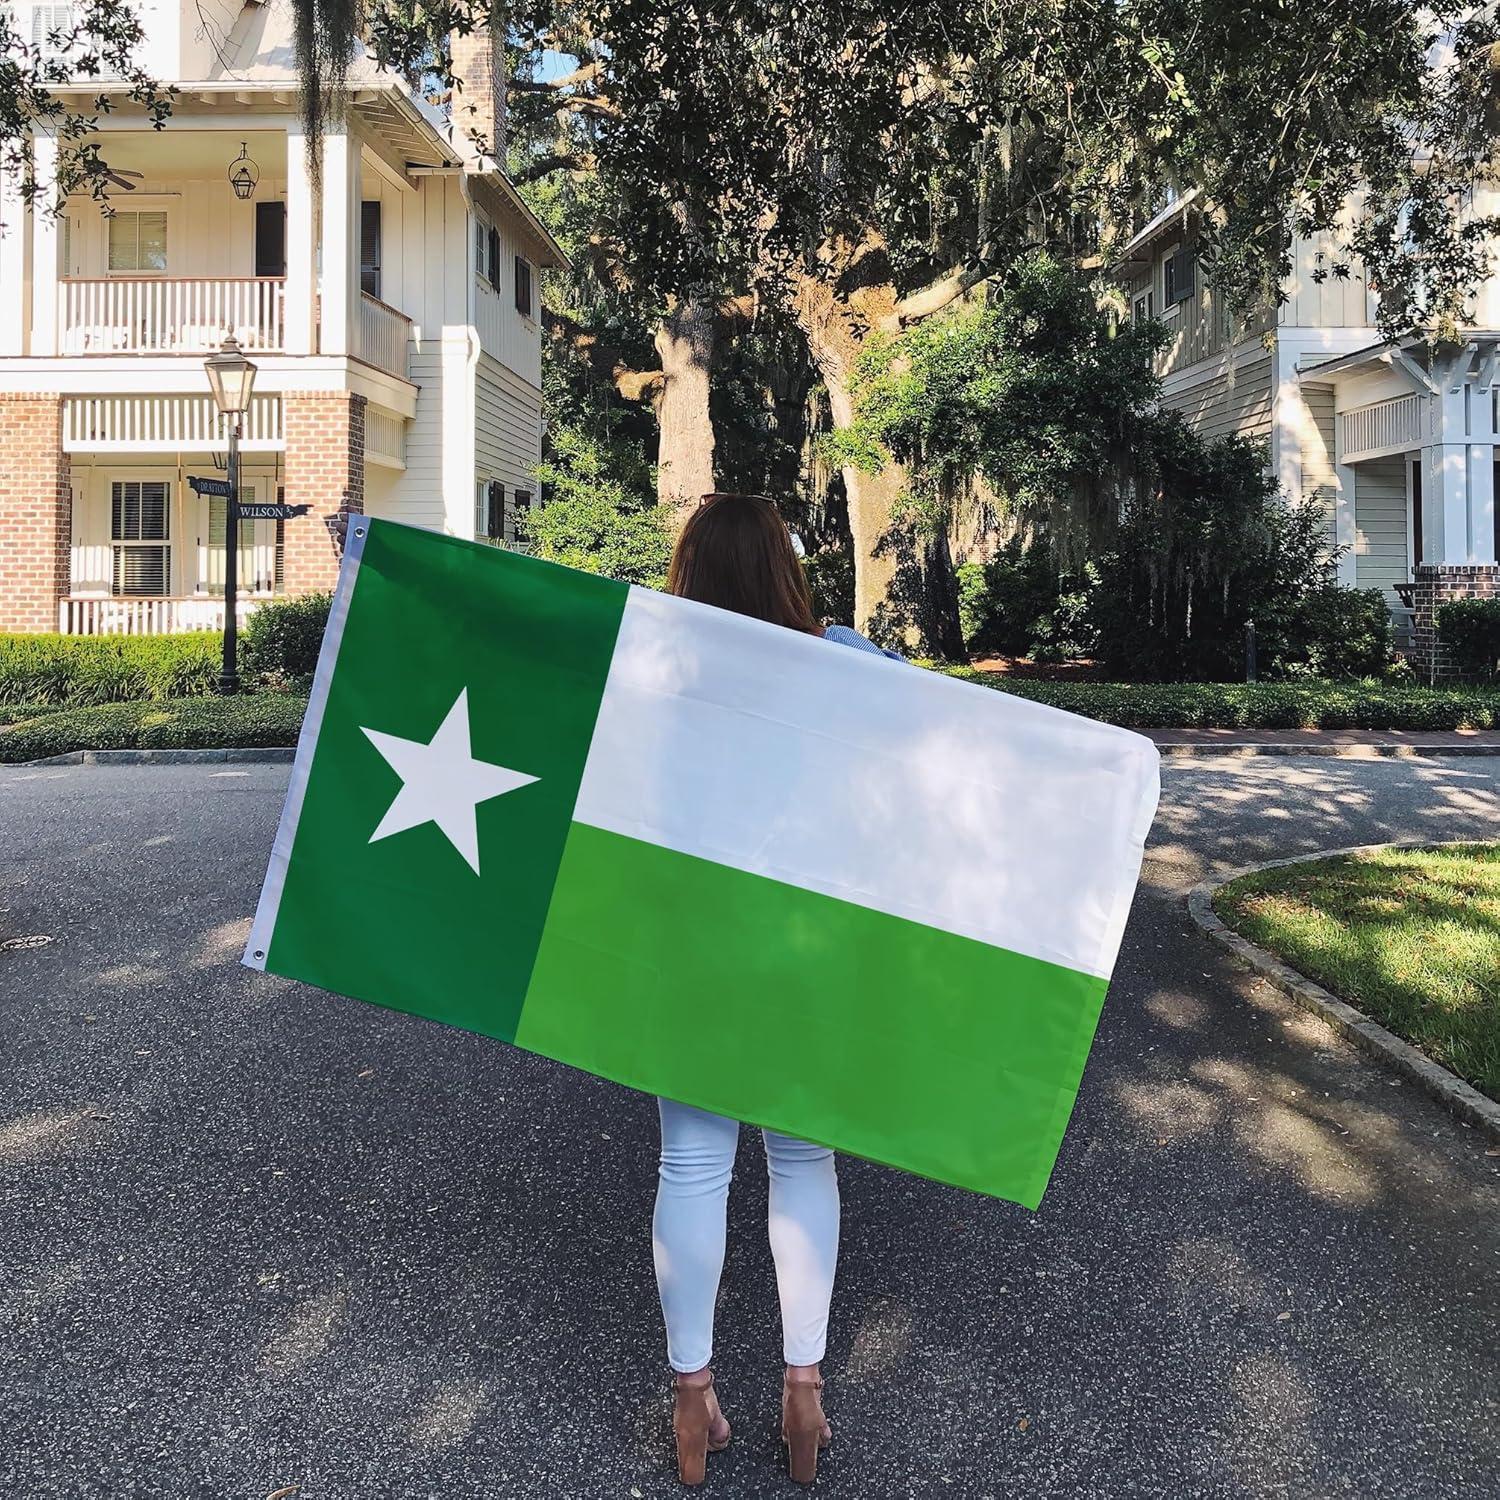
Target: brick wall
324, 467
36, 519
1434, 585
479, 105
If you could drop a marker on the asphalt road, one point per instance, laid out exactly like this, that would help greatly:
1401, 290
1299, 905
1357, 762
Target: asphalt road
253, 1236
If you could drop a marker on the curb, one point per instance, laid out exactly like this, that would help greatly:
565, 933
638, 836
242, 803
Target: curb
271, 755
1461, 1098
1180, 750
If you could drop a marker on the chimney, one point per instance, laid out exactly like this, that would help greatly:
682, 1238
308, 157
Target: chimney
477, 112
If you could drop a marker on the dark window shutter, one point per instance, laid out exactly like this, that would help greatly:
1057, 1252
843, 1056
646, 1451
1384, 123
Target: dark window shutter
522, 501
270, 239
369, 248
494, 244
523, 286
1181, 276
495, 519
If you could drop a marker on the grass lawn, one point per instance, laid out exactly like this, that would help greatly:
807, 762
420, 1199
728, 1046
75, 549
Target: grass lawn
1409, 936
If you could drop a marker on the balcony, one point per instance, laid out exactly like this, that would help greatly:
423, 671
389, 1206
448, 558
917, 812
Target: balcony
381, 335
171, 314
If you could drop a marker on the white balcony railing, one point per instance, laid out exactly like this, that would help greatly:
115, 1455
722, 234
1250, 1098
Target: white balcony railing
381, 335
147, 616
1384, 427
170, 314
147, 424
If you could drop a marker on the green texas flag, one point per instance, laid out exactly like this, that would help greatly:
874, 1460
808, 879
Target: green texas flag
707, 857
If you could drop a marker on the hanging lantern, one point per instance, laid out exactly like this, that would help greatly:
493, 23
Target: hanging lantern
243, 174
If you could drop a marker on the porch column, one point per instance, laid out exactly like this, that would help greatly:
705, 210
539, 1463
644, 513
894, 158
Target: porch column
324, 468
301, 248
339, 282
44, 246
12, 263
1458, 519
36, 519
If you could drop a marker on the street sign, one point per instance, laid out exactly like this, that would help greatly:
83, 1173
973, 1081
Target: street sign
201, 486
271, 512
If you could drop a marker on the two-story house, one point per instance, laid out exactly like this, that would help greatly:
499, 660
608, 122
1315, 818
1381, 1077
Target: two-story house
1398, 442
390, 302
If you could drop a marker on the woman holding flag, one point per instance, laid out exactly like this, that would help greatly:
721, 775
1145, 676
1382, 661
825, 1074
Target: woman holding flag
735, 552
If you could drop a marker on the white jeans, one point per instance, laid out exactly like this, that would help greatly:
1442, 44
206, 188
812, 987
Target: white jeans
687, 1233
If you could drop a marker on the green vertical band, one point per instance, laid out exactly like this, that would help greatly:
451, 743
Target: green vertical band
405, 922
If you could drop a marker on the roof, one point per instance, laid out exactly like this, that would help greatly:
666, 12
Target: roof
1155, 227
1413, 347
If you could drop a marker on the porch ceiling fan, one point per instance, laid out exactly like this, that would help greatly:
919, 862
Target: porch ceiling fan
118, 175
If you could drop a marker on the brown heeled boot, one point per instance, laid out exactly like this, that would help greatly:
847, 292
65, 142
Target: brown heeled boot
699, 1427
804, 1429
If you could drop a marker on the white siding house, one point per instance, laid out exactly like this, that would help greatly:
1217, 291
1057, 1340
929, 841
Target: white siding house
392, 310
1398, 442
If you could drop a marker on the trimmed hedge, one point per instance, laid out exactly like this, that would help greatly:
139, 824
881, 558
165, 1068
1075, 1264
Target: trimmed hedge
1305, 704
1470, 628
264, 719
65, 670
280, 643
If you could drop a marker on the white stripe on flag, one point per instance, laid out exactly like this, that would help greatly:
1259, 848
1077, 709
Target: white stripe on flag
901, 790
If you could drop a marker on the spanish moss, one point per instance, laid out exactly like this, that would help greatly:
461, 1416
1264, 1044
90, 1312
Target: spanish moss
327, 32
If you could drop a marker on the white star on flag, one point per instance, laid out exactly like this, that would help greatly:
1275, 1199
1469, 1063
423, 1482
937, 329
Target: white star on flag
441, 782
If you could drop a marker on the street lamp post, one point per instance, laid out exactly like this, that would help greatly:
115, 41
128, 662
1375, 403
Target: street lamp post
231, 377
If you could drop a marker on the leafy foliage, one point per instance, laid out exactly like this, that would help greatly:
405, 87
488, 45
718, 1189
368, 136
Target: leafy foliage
600, 512
69, 670
98, 41
1020, 603
1470, 628
280, 645
1304, 704
208, 723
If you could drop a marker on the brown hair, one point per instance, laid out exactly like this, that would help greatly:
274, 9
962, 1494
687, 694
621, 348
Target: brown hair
736, 552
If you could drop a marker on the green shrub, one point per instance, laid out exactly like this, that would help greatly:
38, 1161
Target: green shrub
1470, 628
1020, 603
61, 670
281, 640
1338, 632
267, 719
830, 576
1308, 704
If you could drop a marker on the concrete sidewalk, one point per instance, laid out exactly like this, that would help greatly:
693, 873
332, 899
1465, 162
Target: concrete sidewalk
1344, 742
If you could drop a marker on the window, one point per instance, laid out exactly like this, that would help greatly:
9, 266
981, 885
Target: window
493, 242
245, 578
1142, 310
138, 536
523, 286
489, 509
51, 25
1179, 276
138, 240
481, 249
369, 248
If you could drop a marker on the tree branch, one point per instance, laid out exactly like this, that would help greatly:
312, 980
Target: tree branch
607, 363
544, 166
948, 288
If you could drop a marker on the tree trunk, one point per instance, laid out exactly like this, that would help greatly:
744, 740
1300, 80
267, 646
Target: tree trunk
905, 592
685, 458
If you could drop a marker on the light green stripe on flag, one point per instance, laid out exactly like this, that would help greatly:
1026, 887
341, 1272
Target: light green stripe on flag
707, 857
761, 1000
